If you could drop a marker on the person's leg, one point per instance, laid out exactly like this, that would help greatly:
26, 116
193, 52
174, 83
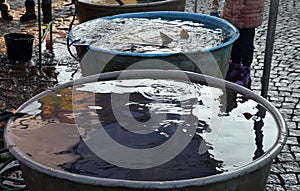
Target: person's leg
214, 8
235, 67
30, 11
5, 9
236, 49
246, 53
247, 45
46, 8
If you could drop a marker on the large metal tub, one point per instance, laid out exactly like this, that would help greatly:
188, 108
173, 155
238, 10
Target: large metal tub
249, 177
213, 61
88, 10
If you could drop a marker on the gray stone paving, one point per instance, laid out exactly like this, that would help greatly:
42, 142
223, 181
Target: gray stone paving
285, 85
284, 89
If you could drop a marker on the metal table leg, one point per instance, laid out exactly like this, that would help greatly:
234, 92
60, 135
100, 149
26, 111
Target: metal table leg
43, 34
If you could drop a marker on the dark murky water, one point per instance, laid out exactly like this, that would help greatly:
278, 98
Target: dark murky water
230, 130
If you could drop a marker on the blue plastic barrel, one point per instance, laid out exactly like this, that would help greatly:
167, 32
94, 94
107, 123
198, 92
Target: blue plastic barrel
212, 61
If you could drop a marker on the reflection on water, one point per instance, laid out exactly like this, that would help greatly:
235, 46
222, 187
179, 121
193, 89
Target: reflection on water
258, 118
258, 126
142, 114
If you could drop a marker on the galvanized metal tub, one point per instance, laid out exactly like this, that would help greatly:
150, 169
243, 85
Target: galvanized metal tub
252, 176
213, 61
91, 10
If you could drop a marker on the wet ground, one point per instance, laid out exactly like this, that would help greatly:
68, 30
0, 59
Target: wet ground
21, 81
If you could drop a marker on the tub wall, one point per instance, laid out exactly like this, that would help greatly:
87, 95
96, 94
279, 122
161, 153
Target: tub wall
214, 63
246, 181
88, 11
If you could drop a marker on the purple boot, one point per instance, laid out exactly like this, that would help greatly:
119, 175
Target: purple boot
245, 79
234, 72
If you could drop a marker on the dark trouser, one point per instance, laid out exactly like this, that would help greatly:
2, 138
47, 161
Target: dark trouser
243, 47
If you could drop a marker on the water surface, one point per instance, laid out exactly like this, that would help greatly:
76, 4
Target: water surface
142, 35
231, 130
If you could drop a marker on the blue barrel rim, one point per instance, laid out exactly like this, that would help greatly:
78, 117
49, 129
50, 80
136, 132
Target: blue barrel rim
167, 15
263, 160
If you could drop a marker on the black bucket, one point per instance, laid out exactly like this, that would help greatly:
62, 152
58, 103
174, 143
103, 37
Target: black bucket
19, 46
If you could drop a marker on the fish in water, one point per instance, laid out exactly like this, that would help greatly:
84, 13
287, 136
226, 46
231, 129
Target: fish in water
120, 2
184, 34
167, 40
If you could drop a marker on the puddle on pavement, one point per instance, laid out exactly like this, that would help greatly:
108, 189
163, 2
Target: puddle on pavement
67, 66
225, 131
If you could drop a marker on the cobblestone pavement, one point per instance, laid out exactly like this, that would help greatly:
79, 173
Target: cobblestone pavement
284, 90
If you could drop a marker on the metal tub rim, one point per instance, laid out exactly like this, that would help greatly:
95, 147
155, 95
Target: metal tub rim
262, 161
162, 2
